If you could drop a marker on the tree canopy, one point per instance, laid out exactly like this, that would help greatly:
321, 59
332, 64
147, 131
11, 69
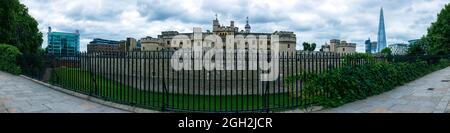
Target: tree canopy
439, 33
437, 41
387, 51
19, 28
309, 46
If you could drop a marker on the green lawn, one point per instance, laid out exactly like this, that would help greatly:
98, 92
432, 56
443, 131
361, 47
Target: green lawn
82, 81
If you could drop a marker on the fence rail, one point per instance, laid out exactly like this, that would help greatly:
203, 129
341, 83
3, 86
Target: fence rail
147, 80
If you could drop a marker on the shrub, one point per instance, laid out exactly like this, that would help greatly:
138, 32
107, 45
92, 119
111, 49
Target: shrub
350, 83
354, 58
8, 57
32, 64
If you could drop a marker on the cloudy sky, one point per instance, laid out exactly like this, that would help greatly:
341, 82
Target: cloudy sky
312, 20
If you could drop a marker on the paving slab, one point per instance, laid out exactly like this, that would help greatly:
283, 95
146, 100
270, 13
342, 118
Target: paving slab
20, 95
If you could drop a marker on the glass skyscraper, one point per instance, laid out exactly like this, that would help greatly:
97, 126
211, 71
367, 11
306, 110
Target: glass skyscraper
368, 46
61, 43
381, 33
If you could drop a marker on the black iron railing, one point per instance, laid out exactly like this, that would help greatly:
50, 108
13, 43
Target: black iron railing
147, 79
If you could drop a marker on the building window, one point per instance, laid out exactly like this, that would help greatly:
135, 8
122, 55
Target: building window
289, 46
343, 49
168, 42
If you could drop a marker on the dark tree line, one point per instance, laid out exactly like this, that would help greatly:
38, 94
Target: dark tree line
18, 28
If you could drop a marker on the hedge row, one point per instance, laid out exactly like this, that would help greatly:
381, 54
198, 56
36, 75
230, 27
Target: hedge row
351, 83
8, 57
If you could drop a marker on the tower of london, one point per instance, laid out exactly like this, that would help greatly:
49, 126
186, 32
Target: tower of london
287, 39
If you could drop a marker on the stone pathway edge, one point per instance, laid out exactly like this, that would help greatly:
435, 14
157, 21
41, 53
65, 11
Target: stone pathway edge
94, 99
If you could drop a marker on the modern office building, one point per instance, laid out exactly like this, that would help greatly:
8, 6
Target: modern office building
63, 43
103, 45
398, 48
371, 47
381, 33
339, 46
374, 47
368, 46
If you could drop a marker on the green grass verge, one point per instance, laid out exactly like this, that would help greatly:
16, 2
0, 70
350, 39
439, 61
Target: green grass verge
82, 81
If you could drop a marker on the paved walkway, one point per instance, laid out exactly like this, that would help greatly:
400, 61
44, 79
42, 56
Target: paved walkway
20, 95
429, 94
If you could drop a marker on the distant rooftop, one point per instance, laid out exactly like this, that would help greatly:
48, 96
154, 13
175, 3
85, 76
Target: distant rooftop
103, 41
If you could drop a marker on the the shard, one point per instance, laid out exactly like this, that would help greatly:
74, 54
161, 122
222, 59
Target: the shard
381, 33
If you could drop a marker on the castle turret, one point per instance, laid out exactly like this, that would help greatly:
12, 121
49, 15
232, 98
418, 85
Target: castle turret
247, 27
216, 24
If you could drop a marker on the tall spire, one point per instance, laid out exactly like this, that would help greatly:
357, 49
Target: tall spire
247, 27
381, 33
216, 24
247, 20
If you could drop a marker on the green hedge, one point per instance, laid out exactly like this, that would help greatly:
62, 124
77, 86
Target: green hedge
8, 56
351, 83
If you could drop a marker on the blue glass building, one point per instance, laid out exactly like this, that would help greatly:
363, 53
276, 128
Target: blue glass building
381, 33
368, 46
62, 43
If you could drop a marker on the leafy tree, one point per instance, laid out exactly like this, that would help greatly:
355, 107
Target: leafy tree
313, 47
437, 41
417, 48
8, 56
387, 51
305, 46
439, 33
18, 28
309, 47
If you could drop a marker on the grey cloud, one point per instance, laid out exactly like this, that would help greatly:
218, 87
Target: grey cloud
159, 10
405, 19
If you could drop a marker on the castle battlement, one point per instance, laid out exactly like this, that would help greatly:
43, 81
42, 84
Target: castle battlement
287, 39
